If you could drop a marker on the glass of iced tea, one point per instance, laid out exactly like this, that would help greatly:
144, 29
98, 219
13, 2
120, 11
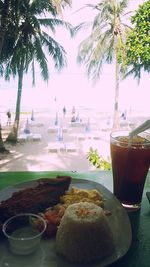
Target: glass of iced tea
130, 165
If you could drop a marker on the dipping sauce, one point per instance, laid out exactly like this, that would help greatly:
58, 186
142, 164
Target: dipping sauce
27, 245
26, 232
23, 235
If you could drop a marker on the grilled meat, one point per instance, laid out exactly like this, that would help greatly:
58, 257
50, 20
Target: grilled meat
35, 199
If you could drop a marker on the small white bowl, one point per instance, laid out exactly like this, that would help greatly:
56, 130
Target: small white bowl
24, 232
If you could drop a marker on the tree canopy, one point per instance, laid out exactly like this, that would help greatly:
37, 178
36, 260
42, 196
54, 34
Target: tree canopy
138, 42
106, 38
25, 36
24, 41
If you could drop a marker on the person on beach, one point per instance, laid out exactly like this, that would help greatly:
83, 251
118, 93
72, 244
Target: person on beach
73, 110
59, 136
87, 127
64, 111
32, 116
73, 119
124, 115
77, 117
26, 129
56, 119
8, 117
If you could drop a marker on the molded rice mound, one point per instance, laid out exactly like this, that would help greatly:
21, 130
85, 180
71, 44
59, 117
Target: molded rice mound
84, 234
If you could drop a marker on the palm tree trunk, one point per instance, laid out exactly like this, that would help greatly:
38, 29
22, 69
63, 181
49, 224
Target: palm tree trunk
3, 23
12, 137
116, 104
2, 147
1, 141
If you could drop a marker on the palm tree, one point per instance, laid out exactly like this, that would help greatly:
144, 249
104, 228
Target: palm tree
105, 43
4, 8
29, 43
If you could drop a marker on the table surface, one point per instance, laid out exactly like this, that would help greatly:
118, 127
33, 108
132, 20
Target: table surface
139, 252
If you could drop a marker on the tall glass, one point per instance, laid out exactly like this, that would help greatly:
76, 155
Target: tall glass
130, 165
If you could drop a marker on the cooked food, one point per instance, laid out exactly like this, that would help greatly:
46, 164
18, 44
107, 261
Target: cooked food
84, 234
35, 199
54, 214
75, 195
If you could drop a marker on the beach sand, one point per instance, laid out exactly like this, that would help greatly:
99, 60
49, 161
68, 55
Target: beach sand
35, 155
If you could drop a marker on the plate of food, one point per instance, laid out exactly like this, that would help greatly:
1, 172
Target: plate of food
84, 221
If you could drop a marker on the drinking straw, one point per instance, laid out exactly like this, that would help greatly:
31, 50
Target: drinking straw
143, 127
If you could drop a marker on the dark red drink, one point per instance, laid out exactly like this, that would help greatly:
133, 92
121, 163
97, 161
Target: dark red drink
130, 165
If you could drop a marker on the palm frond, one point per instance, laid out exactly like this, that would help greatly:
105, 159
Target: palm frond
1, 70
135, 72
85, 50
8, 71
41, 59
33, 72
56, 51
52, 23
39, 7
122, 6
82, 26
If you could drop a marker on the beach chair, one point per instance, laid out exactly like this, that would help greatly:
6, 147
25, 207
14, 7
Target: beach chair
52, 129
40, 124
22, 137
56, 147
36, 137
96, 135
70, 147
81, 137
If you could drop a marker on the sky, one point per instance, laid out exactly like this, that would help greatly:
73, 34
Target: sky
71, 86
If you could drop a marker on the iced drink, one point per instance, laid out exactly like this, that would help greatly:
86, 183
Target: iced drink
130, 165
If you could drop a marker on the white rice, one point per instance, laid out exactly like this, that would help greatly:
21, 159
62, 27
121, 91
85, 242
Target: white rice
84, 234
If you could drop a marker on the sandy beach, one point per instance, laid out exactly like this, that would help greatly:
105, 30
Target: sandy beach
40, 155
